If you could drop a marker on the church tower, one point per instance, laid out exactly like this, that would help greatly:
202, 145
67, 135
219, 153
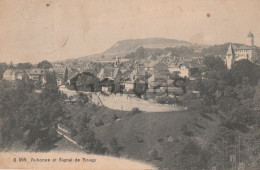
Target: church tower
250, 39
230, 56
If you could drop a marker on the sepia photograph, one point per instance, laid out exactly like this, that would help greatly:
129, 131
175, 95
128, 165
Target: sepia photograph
130, 84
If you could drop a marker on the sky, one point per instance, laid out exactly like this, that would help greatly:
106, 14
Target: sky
32, 31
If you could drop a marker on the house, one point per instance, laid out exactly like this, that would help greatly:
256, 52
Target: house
188, 69
59, 79
37, 75
107, 85
9, 75
12, 75
138, 72
174, 68
156, 66
22, 75
71, 75
111, 73
19, 76
184, 70
155, 87
172, 90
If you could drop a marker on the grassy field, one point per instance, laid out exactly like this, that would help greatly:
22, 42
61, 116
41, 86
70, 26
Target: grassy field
144, 132
168, 133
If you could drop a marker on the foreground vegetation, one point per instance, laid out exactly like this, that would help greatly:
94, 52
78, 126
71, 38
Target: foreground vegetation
27, 117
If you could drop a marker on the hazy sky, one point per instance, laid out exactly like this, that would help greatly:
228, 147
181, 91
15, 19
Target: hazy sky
34, 30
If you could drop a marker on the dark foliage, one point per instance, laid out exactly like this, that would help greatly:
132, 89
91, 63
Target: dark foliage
24, 66
44, 65
29, 119
114, 147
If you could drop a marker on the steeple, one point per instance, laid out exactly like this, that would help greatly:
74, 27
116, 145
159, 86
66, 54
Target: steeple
230, 56
230, 50
250, 39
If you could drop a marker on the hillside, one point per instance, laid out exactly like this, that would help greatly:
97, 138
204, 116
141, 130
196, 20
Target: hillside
168, 133
127, 46
131, 48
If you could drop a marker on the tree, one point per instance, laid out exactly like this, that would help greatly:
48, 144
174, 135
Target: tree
3, 67
11, 65
88, 82
245, 68
114, 147
90, 143
214, 63
256, 100
140, 52
44, 65
230, 92
139, 87
153, 154
192, 155
216, 50
24, 66
66, 75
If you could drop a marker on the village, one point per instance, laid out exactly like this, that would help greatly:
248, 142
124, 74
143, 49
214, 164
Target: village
162, 79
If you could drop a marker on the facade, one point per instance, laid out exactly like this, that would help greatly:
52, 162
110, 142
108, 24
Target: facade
9, 75
129, 85
107, 85
185, 68
188, 69
238, 52
174, 68
184, 71
12, 75
37, 75
59, 79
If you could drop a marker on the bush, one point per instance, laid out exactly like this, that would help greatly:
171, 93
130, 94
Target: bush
99, 148
135, 110
74, 132
192, 155
83, 99
153, 154
114, 147
99, 123
37, 145
165, 100
186, 131
115, 117
139, 139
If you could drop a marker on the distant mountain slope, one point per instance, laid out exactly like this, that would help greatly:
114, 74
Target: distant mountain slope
127, 46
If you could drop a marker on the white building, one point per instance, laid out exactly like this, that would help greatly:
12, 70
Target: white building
10, 75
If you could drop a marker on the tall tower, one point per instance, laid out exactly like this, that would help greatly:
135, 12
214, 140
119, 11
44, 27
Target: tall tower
249, 39
230, 56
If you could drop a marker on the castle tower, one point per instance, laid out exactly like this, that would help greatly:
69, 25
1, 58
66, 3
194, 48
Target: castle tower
250, 39
230, 56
